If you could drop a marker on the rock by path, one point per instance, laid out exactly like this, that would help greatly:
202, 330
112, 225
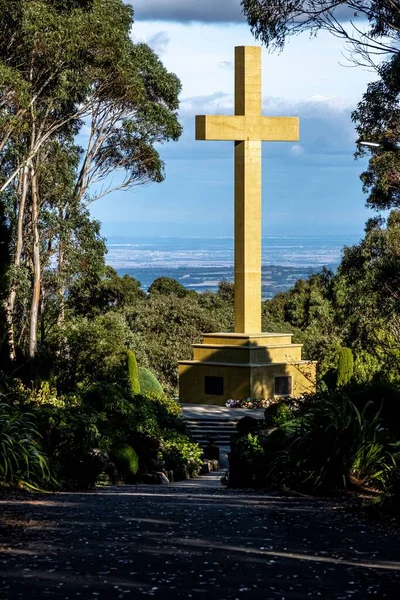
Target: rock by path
192, 540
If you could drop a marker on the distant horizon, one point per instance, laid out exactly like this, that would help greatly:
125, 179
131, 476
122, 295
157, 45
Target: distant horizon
231, 237
184, 231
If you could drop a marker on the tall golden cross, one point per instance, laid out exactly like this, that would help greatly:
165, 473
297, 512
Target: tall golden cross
248, 128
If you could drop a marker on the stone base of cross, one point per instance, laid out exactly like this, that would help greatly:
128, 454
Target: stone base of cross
247, 128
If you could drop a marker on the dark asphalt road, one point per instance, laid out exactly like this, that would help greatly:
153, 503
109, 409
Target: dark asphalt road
192, 542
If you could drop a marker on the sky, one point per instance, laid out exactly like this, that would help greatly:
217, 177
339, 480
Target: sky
309, 188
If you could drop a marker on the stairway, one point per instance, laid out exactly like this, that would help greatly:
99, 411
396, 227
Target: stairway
205, 428
216, 422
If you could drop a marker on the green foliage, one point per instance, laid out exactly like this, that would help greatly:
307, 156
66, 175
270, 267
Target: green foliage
226, 291
278, 413
275, 21
168, 413
126, 460
133, 372
377, 119
322, 447
86, 70
93, 349
308, 311
245, 462
22, 460
345, 368
180, 452
329, 442
80, 429
389, 501
168, 287
148, 383
164, 328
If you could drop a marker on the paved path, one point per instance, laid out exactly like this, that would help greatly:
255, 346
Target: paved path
203, 411
192, 540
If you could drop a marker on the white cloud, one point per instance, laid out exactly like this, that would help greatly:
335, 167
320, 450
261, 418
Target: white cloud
159, 42
226, 64
297, 150
201, 56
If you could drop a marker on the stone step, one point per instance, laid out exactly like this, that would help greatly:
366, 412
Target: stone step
219, 430
212, 427
211, 420
212, 424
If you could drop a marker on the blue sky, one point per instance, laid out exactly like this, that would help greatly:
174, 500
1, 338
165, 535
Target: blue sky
309, 188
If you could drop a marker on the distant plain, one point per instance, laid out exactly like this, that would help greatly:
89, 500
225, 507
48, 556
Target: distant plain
200, 263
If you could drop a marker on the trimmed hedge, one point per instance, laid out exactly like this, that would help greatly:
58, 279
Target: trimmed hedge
133, 373
126, 460
149, 385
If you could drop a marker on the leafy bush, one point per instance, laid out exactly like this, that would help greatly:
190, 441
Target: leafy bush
180, 452
93, 349
382, 397
73, 443
22, 460
389, 502
133, 372
126, 460
246, 457
148, 383
329, 444
324, 444
278, 413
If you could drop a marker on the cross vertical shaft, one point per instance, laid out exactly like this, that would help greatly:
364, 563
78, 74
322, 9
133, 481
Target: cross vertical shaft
248, 195
247, 128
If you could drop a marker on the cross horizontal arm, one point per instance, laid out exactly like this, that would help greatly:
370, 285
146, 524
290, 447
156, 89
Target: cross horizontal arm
243, 128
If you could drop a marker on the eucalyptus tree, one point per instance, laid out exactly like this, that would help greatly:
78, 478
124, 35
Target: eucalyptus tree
377, 119
65, 66
369, 27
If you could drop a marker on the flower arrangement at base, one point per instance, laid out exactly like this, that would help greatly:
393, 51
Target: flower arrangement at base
250, 403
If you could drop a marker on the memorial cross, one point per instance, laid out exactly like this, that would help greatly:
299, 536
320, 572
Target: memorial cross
248, 128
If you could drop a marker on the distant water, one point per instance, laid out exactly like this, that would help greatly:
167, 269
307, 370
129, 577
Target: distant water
200, 263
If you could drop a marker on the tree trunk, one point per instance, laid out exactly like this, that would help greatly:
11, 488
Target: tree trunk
33, 322
61, 287
12, 294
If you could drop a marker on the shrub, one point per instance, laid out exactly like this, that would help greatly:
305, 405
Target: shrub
126, 460
389, 502
180, 452
277, 414
92, 346
328, 442
133, 373
148, 383
22, 460
73, 442
345, 367
245, 460
382, 397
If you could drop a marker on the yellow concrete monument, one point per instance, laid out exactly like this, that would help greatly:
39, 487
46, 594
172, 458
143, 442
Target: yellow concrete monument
246, 363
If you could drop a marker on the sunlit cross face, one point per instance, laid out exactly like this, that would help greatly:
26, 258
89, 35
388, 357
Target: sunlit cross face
247, 128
